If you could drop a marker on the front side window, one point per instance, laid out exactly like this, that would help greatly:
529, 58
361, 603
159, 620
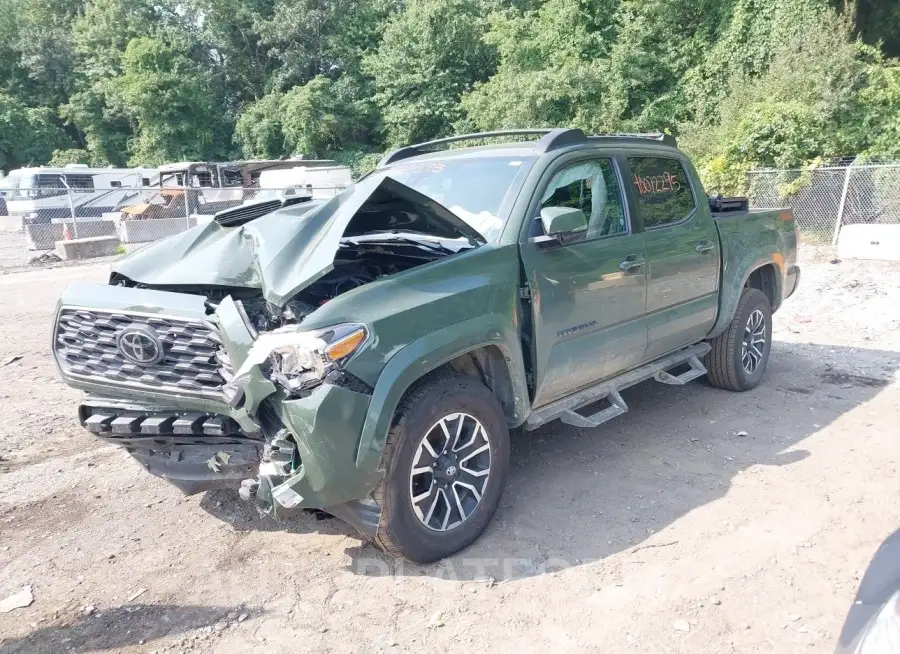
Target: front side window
593, 187
663, 191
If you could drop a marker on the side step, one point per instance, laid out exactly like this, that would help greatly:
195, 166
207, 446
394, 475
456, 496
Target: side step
566, 409
697, 370
616, 408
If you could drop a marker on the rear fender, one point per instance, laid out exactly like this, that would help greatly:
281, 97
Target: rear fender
733, 284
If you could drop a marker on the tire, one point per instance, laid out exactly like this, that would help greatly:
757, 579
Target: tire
402, 531
726, 364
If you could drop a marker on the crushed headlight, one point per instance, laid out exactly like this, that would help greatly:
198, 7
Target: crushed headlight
300, 360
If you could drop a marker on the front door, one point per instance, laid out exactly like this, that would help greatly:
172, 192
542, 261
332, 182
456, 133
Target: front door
682, 254
588, 296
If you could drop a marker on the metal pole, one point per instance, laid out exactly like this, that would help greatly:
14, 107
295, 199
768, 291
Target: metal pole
841, 206
62, 179
187, 207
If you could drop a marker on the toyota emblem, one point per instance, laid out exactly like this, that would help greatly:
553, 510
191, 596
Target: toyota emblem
140, 345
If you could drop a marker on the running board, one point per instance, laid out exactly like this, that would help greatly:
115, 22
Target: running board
616, 408
697, 370
566, 409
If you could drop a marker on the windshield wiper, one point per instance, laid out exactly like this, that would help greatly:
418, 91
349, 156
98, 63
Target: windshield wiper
393, 237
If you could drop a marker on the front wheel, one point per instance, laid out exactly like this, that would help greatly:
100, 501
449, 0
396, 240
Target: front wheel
446, 460
739, 356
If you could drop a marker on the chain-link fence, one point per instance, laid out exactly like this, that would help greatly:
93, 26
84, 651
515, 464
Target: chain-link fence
823, 199
132, 215
827, 198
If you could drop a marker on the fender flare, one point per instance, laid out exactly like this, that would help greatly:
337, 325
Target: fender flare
730, 294
425, 355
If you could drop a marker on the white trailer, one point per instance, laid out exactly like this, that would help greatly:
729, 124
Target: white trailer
213, 186
43, 195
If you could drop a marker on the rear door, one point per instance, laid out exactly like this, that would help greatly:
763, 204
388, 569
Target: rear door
682, 253
588, 295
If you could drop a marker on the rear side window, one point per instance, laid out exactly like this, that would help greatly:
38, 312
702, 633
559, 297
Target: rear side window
662, 188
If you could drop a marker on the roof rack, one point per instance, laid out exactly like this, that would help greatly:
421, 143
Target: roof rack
551, 139
665, 139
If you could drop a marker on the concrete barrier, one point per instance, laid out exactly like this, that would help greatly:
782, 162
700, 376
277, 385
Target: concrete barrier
45, 236
87, 248
10, 223
152, 229
881, 242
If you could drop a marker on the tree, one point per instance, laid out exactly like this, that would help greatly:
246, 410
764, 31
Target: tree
100, 36
230, 31
28, 135
172, 103
551, 69
803, 106
259, 131
320, 119
432, 53
742, 83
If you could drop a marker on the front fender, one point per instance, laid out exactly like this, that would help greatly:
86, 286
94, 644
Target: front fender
428, 353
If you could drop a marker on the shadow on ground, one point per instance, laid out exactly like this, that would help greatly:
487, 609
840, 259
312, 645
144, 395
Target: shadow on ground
243, 516
579, 495
116, 628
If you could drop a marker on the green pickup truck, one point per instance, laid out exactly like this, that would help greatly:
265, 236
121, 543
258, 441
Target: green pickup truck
369, 355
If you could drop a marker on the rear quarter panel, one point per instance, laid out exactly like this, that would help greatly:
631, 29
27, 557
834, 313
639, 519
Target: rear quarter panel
750, 241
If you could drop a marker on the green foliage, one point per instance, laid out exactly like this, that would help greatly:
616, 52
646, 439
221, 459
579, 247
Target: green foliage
171, 101
551, 69
320, 118
70, 156
742, 83
360, 162
432, 52
878, 113
807, 103
27, 135
259, 131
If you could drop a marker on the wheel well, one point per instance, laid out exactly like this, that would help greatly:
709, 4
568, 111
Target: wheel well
765, 280
488, 365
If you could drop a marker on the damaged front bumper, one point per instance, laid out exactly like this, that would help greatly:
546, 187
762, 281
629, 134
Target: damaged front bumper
290, 453
194, 451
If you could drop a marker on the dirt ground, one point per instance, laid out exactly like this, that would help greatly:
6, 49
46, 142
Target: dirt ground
666, 530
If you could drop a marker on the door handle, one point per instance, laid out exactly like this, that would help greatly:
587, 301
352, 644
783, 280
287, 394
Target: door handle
704, 247
631, 264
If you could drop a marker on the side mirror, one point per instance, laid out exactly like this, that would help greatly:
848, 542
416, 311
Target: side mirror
562, 220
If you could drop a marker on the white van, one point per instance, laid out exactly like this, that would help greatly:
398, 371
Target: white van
45, 194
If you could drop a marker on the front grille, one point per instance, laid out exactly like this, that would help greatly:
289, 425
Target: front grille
192, 359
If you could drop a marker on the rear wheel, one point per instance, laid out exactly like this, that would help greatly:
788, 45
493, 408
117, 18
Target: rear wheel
739, 356
446, 460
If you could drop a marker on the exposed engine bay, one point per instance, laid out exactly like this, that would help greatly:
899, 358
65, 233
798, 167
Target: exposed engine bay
359, 262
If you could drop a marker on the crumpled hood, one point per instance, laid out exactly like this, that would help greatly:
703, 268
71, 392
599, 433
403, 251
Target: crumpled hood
285, 251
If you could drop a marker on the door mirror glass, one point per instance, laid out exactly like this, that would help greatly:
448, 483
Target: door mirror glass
562, 220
